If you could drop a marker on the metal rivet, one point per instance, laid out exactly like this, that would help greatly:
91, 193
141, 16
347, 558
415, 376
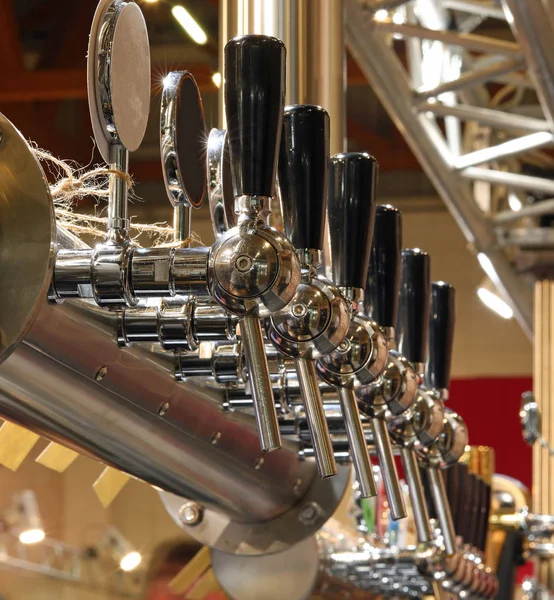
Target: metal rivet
216, 437
258, 463
191, 514
243, 263
299, 310
344, 346
309, 514
163, 409
101, 373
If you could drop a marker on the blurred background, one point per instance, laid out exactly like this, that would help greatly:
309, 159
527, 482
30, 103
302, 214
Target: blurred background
43, 46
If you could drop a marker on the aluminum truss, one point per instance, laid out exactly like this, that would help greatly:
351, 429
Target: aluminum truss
477, 111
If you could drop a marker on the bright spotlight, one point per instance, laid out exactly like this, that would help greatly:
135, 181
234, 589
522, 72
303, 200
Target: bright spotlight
32, 536
495, 303
188, 23
381, 15
130, 561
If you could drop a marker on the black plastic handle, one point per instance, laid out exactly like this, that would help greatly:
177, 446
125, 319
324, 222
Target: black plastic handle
441, 334
303, 168
383, 279
254, 104
413, 314
351, 210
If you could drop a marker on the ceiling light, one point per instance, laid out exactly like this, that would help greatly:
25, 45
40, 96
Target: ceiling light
24, 516
121, 550
216, 78
490, 298
130, 561
381, 15
515, 203
32, 536
188, 23
487, 266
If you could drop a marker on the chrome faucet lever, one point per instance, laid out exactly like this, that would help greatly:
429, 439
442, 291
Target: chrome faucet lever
362, 355
253, 270
317, 319
395, 391
450, 444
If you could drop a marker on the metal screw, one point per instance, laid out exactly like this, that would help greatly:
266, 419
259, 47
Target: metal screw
216, 437
310, 513
101, 373
163, 409
299, 310
191, 514
243, 263
344, 346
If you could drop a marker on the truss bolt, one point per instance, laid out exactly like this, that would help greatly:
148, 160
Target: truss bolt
191, 514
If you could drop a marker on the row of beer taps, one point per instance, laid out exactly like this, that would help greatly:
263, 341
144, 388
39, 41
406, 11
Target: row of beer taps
362, 357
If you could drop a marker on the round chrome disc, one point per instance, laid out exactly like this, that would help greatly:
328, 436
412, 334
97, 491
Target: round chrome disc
27, 236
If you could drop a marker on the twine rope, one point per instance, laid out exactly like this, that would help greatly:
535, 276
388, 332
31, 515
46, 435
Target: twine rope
73, 184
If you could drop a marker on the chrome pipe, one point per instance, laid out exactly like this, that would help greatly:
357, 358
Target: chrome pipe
174, 453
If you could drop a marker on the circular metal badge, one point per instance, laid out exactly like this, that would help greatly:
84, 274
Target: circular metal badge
26, 244
182, 140
118, 76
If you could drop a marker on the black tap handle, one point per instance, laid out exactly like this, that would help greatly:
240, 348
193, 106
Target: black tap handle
383, 279
441, 334
459, 490
470, 482
351, 210
303, 168
254, 103
413, 314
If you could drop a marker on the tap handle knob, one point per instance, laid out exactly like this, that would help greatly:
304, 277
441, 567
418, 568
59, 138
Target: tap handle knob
383, 279
441, 334
303, 168
351, 210
413, 314
254, 103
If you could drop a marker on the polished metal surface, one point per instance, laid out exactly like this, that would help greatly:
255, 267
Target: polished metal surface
298, 523
357, 442
417, 495
360, 358
419, 427
220, 186
391, 480
253, 269
315, 321
315, 413
288, 575
182, 131
393, 392
27, 250
450, 444
260, 383
118, 73
440, 502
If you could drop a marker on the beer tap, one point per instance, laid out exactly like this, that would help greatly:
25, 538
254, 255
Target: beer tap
316, 320
253, 270
394, 392
362, 355
449, 446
